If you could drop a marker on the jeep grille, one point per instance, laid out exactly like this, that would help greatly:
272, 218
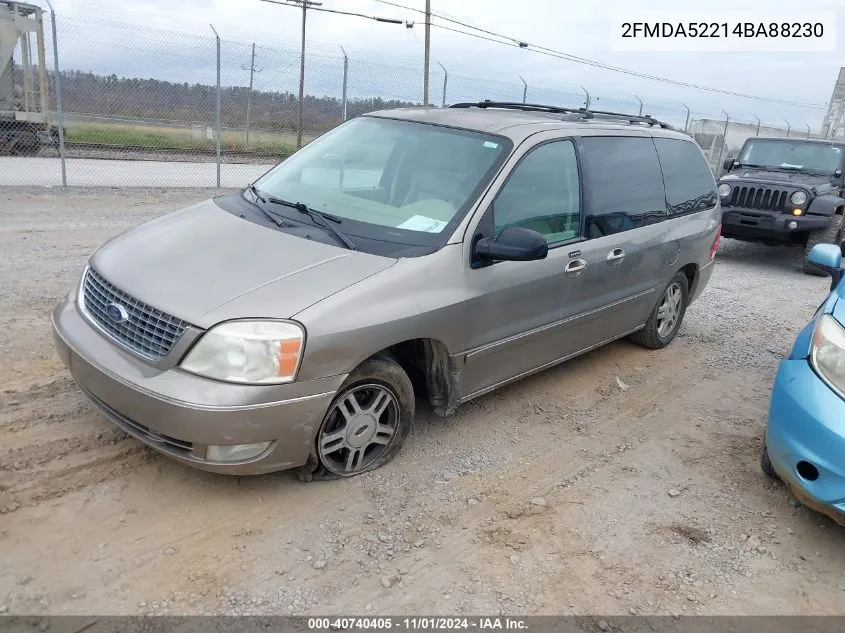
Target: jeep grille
759, 198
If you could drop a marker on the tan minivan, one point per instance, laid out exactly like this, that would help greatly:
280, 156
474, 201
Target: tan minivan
407, 255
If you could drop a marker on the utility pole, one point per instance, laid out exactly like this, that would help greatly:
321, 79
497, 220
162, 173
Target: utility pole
427, 50
217, 38
345, 78
249, 95
301, 78
304, 4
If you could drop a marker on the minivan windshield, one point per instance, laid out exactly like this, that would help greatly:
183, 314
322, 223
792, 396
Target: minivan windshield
792, 154
404, 181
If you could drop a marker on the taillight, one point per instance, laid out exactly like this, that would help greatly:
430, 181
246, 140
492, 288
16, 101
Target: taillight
715, 245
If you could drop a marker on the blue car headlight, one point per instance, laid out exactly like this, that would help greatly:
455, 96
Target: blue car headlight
827, 353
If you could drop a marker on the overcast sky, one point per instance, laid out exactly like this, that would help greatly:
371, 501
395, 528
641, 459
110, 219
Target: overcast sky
387, 55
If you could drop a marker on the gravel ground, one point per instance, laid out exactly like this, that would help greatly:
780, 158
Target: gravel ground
623, 482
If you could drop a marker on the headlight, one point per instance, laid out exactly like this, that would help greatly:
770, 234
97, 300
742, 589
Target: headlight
724, 190
827, 354
798, 198
250, 352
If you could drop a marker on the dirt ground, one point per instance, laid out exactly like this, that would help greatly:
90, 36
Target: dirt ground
626, 481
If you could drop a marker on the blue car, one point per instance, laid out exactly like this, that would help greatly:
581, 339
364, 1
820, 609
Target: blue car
805, 436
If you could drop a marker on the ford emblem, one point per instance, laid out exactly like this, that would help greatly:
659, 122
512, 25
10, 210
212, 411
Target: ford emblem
117, 313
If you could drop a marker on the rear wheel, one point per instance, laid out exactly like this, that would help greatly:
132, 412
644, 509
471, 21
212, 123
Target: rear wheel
830, 235
665, 319
367, 421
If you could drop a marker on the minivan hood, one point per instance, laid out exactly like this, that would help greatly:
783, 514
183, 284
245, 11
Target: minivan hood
205, 265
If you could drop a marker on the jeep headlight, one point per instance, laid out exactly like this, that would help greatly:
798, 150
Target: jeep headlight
724, 190
798, 198
249, 352
827, 353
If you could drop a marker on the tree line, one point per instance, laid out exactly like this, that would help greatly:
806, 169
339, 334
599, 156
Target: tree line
113, 96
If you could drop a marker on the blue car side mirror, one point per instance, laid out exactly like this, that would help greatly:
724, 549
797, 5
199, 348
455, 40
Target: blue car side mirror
827, 256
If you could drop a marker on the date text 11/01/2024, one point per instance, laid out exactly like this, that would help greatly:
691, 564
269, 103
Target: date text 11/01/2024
417, 624
723, 29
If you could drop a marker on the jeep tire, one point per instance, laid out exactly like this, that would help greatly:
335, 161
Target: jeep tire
832, 234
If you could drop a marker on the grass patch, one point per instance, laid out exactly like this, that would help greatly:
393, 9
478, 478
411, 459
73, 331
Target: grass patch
164, 137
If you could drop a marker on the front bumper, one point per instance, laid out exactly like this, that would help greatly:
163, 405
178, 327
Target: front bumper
180, 414
755, 224
807, 424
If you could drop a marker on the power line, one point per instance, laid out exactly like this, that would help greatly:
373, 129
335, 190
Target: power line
325, 10
550, 52
448, 18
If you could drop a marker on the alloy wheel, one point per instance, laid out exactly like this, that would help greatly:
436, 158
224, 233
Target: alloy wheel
670, 310
358, 429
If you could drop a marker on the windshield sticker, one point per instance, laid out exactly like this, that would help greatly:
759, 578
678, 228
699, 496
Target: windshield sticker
491, 144
422, 223
788, 166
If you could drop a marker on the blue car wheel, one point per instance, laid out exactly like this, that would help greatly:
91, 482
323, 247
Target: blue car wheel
766, 463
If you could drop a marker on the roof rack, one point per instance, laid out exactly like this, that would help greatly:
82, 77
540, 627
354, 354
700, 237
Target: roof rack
572, 114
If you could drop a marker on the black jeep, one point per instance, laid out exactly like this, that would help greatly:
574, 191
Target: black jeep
785, 191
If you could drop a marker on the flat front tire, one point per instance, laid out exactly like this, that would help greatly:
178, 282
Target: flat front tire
367, 422
766, 463
667, 315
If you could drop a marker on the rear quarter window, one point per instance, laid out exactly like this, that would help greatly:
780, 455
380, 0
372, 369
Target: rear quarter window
624, 184
690, 185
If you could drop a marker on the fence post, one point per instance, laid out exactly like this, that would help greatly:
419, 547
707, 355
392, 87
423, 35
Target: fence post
724, 142
60, 118
808, 129
686, 123
587, 102
788, 128
217, 38
445, 81
345, 77
524, 89
757, 131
640, 113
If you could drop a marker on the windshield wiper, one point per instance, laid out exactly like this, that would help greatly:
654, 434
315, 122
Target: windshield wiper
270, 216
319, 218
754, 166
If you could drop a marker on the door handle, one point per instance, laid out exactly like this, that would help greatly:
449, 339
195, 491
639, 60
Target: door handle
575, 268
615, 256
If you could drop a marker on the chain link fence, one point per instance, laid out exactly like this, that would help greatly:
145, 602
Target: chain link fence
140, 105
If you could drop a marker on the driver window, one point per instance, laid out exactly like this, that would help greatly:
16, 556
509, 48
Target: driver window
542, 194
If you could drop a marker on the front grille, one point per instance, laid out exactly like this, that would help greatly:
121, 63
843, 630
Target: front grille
762, 198
147, 331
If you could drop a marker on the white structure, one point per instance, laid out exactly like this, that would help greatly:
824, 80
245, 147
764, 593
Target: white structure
834, 121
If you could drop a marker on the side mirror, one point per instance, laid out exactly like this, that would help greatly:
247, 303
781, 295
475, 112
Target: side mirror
513, 244
827, 256
727, 164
